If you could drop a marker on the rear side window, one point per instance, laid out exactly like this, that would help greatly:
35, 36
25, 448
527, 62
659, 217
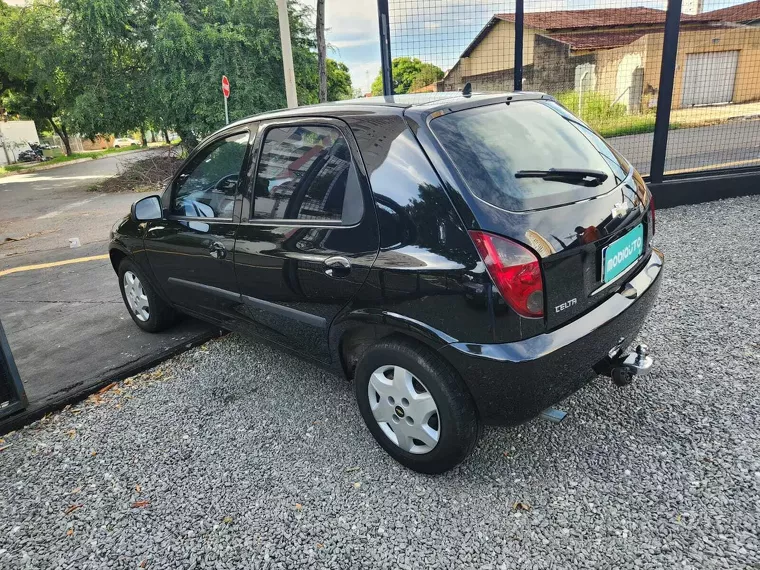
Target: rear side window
306, 173
489, 144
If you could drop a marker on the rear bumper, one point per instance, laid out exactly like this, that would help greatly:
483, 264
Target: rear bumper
513, 382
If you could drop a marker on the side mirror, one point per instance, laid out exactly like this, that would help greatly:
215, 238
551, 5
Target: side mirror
146, 209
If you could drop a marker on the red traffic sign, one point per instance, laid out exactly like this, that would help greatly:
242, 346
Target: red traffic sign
225, 86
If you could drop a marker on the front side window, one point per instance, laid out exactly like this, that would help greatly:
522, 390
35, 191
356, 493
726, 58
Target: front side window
306, 173
207, 188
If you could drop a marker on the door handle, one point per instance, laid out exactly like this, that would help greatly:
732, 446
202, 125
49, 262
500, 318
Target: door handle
218, 250
337, 267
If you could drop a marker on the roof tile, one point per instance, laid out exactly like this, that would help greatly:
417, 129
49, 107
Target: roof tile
747, 12
606, 17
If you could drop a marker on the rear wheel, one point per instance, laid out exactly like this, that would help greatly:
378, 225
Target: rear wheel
149, 311
415, 406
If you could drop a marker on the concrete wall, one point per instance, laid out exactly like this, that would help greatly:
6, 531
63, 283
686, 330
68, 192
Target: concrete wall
745, 40
649, 50
550, 65
552, 70
494, 54
615, 67
99, 143
14, 138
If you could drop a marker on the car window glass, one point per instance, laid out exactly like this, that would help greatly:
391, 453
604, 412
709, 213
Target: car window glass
207, 188
617, 163
306, 173
489, 145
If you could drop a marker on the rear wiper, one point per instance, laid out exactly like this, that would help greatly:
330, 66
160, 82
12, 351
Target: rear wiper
586, 177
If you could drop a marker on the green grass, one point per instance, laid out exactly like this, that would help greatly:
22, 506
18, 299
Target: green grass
605, 118
25, 166
32, 165
629, 125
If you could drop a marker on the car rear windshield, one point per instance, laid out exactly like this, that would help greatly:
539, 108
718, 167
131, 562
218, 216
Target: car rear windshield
489, 144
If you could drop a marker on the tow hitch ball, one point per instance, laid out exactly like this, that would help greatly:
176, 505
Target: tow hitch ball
625, 366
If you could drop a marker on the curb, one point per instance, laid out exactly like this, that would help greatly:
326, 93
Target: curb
36, 411
70, 162
45, 167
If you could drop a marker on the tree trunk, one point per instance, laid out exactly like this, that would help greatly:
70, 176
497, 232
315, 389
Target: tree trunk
66, 141
62, 134
321, 51
189, 140
143, 136
166, 137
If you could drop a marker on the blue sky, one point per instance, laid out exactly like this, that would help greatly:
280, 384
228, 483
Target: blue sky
433, 30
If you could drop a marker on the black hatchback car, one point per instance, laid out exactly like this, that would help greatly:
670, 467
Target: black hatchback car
465, 259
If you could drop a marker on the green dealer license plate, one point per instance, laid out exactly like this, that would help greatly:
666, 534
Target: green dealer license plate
621, 253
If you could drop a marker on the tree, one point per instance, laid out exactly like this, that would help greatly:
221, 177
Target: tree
115, 66
195, 42
338, 81
113, 37
35, 60
321, 51
408, 74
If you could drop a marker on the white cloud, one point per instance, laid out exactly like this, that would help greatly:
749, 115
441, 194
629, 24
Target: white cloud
351, 28
343, 44
363, 74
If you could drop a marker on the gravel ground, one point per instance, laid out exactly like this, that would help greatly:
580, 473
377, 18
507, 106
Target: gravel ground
235, 455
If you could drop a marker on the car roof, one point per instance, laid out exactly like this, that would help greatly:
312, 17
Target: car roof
428, 102
416, 106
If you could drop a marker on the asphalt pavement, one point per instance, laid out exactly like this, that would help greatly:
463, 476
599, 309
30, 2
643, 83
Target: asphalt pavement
43, 210
733, 144
235, 455
66, 323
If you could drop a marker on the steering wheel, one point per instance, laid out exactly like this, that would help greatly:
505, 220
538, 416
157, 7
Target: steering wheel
226, 185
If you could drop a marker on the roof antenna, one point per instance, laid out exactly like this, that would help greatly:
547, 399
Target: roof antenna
467, 89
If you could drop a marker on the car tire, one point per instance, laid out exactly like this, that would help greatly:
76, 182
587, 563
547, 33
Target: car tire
157, 315
446, 436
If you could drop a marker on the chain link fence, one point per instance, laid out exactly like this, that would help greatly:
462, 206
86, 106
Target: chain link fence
603, 61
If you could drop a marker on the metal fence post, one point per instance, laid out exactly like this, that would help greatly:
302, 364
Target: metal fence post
665, 93
12, 394
519, 28
385, 46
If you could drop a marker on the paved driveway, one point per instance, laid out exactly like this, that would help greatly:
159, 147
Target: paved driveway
66, 323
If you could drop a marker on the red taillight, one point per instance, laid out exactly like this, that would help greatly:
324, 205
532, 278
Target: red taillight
515, 272
651, 209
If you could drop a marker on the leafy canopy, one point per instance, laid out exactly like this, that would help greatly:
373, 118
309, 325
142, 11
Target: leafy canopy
409, 74
113, 66
35, 53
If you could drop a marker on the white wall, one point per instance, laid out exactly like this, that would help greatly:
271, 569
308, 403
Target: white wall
14, 137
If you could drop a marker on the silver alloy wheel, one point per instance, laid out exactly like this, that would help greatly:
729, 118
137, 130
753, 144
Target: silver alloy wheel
136, 297
404, 409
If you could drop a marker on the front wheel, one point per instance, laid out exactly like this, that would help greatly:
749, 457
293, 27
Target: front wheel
149, 311
415, 406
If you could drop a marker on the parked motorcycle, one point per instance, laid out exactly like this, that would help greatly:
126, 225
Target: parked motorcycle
34, 153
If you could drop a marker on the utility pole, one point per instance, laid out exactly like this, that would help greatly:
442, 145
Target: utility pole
287, 54
321, 51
